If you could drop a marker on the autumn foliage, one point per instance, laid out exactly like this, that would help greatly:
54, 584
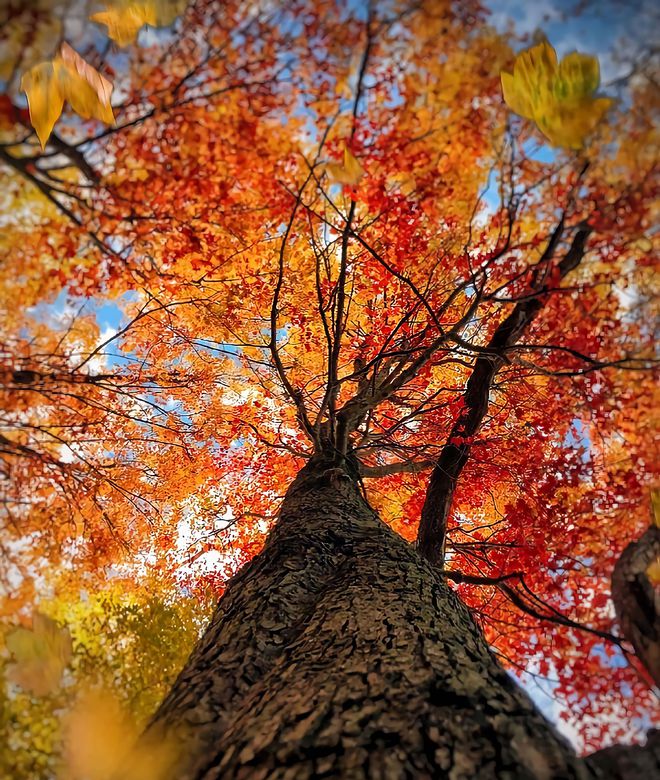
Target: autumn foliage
282, 207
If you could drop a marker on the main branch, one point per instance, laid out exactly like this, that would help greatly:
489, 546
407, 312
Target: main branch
455, 453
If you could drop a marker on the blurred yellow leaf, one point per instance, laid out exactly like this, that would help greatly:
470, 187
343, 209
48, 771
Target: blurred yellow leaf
645, 245
405, 183
558, 97
41, 655
578, 76
531, 81
101, 743
349, 172
68, 77
569, 123
125, 18
83, 87
123, 24
98, 737
45, 99
653, 572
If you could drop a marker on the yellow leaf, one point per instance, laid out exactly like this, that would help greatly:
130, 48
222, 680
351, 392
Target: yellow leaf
578, 76
98, 737
405, 183
101, 743
516, 98
349, 172
67, 78
534, 71
83, 87
45, 99
41, 655
653, 572
567, 124
125, 18
123, 24
558, 97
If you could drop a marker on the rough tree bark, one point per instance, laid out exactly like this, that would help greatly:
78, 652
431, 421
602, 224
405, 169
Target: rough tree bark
636, 597
339, 653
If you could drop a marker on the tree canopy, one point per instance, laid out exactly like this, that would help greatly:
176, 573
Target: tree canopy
250, 231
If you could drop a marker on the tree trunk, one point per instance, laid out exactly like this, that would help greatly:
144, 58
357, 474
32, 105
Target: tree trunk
636, 597
339, 653
629, 762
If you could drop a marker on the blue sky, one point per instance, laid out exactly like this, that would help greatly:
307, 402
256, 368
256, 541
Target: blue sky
611, 29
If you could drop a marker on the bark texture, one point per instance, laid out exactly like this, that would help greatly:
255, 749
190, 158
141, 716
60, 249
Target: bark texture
338, 653
629, 762
636, 598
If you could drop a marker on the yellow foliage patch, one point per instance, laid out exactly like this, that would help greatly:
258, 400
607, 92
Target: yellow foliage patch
40, 653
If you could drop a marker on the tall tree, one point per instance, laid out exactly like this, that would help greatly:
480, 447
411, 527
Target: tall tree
369, 312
